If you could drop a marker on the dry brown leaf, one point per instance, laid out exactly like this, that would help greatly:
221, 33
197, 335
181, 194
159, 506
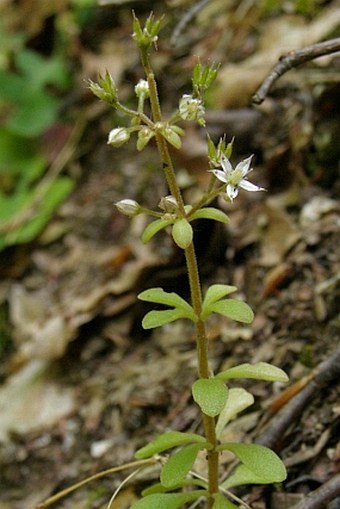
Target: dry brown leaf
31, 401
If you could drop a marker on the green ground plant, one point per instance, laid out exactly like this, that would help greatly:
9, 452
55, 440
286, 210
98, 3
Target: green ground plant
178, 484
29, 105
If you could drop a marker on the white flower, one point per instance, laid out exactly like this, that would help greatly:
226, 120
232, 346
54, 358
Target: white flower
191, 108
235, 177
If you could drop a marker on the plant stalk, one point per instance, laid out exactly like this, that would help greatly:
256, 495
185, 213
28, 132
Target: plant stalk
194, 280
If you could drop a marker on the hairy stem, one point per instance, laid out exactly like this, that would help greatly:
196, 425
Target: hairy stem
194, 280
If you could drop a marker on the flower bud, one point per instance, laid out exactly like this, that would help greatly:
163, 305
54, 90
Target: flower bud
105, 89
168, 204
128, 207
118, 136
142, 89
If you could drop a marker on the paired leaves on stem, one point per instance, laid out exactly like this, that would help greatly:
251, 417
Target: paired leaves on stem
213, 303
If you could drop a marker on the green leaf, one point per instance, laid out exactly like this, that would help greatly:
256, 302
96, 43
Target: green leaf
231, 308
167, 500
159, 296
157, 318
55, 193
37, 111
262, 465
182, 233
210, 394
243, 475
215, 293
210, 213
258, 371
178, 465
223, 503
154, 228
159, 488
167, 441
238, 400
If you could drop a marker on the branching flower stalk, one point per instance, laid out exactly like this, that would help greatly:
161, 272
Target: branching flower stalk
193, 275
217, 402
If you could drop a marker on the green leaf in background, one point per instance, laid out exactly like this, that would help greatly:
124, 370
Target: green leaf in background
168, 500
54, 194
211, 395
35, 112
178, 465
260, 465
210, 213
167, 441
155, 227
223, 503
20, 161
182, 233
258, 371
231, 308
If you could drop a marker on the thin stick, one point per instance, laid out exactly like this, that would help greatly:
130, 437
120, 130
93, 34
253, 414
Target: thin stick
185, 20
294, 59
327, 371
103, 473
319, 497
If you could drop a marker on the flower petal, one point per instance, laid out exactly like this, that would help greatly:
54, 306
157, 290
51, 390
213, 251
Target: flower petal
232, 191
226, 165
244, 166
220, 175
249, 186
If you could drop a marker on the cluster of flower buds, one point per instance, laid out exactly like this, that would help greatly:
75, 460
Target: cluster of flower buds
105, 89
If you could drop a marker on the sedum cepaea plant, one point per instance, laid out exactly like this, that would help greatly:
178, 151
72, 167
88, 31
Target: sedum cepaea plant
256, 464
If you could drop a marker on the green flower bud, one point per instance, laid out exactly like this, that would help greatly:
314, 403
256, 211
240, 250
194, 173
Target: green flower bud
147, 36
128, 207
118, 136
105, 89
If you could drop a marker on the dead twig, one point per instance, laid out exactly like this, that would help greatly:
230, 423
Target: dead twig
326, 372
185, 20
319, 497
294, 59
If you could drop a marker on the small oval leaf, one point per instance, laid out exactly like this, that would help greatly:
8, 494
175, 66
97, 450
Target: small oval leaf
238, 400
167, 500
223, 503
210, 213
258, 371
182, 233
265, 466
154, 228
159, 296
178, 465
167, 441
210, 394
156, 318
232, 308
215, 293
